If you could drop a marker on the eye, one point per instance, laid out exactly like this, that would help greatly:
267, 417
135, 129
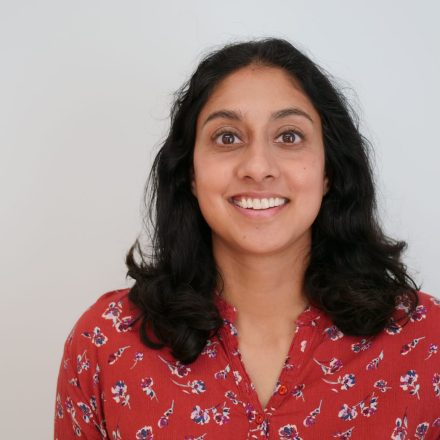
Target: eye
225, 137
291, 137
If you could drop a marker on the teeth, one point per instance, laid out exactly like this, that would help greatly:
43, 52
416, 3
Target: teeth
259, 203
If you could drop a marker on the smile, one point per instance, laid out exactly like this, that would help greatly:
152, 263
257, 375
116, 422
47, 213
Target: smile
259, 204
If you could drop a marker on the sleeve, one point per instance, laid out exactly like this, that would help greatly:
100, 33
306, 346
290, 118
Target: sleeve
78, 409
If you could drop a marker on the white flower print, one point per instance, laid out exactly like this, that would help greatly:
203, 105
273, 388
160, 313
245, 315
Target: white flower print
86, 411
93, 404
393, 328
124, 324
347, 412
403, 303
97, 337
418, 314
333, 333
147, 387
436, 384
401, 429
221, 416
289, 432
165, 419
222, 374
421, 430
373, 364
432, 349
346, 382
344, 435
74, 382
297, 391
406, 348
311, 418
210, 349
138, 356
176, 367
329, 367
369, 409
200, 416
113, 357
113, 313
96, 375
145, 433
59, 407
113, 310
366, 409
232, 397
287, 365
362, 345
237, 377
231, 326
120, 395
409, 383
70, 408
196, 386
381, 385
82, 363
116, 435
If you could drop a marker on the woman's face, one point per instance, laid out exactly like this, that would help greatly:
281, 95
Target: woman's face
259, 163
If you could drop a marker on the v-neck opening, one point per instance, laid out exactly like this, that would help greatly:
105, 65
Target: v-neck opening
308, 318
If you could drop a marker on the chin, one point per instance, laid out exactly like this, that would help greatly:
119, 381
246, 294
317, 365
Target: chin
264, 249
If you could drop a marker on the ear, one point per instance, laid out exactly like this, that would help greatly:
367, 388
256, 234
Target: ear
193, 183
326, 185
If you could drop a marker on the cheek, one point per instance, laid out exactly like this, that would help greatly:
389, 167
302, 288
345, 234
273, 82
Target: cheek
308, 178
211, 178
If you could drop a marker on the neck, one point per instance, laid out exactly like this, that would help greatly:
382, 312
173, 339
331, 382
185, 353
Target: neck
266, 290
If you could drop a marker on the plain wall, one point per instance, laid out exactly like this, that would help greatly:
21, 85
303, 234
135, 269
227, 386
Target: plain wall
85, 91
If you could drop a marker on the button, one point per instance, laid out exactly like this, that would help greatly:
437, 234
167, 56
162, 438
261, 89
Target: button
259, 419
282, 390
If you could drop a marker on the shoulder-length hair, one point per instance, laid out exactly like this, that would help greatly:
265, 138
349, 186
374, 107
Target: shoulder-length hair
355, 273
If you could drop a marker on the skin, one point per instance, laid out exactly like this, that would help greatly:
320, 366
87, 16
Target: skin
262, 255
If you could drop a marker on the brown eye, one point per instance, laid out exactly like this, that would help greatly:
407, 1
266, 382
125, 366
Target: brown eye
226, 138
290, 137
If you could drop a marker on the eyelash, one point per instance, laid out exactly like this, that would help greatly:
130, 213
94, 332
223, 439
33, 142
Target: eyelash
228, 131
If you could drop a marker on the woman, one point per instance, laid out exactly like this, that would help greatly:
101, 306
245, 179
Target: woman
272, 304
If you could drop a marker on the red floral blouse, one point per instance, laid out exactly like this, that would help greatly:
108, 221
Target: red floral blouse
111, 386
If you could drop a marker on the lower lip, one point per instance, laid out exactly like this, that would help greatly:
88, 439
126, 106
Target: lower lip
259, 213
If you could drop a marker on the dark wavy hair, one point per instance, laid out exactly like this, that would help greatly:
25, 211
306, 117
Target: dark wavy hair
355, 273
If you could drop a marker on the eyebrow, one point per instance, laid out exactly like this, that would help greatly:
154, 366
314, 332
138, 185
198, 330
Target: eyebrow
235, 116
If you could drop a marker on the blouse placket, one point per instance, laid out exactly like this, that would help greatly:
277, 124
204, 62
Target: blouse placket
304, 338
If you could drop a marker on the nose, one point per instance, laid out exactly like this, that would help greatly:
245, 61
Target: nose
257, 162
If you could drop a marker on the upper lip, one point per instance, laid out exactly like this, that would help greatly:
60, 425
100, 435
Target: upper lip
257, 195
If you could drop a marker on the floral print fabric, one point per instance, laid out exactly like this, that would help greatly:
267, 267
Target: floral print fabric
332, 386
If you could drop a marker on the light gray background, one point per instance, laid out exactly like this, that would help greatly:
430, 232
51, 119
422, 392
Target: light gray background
85, 90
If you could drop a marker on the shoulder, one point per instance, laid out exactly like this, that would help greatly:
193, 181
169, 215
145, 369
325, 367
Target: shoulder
424, 316
108, 319
112, 306
429, 300
427, 312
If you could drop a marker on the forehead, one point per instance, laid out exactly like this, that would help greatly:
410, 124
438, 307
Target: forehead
258, 90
